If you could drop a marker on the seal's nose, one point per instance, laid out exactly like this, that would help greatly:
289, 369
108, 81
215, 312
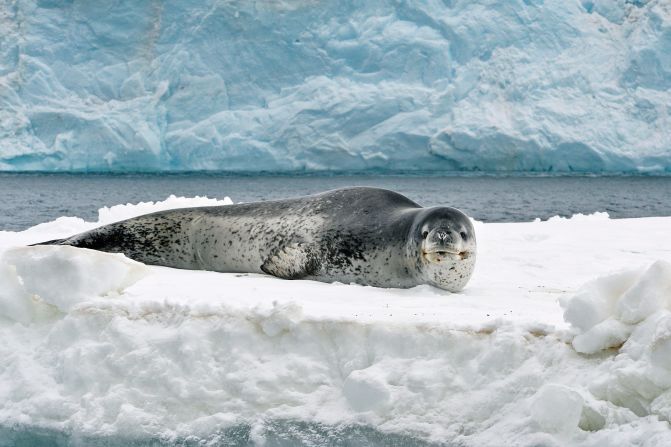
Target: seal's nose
443, 237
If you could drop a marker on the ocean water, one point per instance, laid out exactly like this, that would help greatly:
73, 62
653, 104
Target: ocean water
276, 434
29, 199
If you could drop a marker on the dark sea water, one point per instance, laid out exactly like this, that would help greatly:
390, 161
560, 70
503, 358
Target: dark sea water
29, 199
281, 433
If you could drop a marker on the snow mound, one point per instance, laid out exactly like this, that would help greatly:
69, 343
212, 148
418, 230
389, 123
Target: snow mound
607, 310
302, 85
116, 213
630, 311
40, 280
557, 408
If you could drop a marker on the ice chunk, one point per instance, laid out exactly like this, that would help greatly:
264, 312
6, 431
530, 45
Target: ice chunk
649, 294
604, 310
609, 333
557, 408
64, 276
596, 301
14, 301
638, 323
366, 390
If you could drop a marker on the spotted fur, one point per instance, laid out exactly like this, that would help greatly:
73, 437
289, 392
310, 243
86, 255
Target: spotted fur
364, 235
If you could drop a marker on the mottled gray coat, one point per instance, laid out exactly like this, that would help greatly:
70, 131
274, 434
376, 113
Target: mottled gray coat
364, 235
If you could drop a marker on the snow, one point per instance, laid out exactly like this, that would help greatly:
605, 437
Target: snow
607, 310
301, 85
557, 408
86, 273
562, 337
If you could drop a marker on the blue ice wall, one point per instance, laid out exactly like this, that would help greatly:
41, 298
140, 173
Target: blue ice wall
492, 85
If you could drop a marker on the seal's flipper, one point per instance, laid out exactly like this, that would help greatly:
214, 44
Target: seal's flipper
52, 242
293, 261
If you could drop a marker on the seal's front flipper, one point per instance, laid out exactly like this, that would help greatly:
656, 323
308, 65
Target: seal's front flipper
293, 261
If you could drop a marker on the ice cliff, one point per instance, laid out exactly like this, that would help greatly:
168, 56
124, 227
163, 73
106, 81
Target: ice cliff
527, 85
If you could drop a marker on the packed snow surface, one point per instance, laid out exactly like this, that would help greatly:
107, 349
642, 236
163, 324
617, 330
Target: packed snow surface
563, 337
555, 85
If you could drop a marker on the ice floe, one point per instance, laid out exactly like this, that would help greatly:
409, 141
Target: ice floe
562, 337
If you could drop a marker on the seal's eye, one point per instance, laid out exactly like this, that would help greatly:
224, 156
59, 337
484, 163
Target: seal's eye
463, 235
425, 234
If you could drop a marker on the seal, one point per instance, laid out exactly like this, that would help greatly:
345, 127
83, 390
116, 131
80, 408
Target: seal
364, 235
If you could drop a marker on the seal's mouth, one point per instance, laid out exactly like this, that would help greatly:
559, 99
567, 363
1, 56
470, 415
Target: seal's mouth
438, 256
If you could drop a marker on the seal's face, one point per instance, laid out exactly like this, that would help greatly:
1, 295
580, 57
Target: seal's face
446, 247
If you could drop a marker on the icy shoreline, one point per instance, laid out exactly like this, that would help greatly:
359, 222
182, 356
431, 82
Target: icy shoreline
157, 353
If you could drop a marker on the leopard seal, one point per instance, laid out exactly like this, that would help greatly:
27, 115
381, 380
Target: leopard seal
364, 235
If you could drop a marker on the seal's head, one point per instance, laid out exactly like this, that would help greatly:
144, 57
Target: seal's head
442, 246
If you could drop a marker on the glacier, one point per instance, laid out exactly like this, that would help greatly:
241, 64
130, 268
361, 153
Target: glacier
301, 85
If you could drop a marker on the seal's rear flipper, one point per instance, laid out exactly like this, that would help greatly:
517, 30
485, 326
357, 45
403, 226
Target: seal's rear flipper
53, 242
293, 261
